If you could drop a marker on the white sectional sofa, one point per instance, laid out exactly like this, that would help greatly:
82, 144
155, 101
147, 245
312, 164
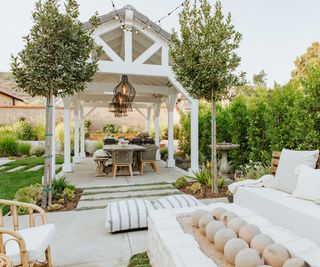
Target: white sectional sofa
283, 209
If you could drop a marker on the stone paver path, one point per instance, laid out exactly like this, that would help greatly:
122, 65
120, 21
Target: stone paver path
16, 169
35, 168
99, 197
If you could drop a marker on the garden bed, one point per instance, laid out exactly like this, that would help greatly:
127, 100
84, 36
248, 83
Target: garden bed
69, 204
187, 189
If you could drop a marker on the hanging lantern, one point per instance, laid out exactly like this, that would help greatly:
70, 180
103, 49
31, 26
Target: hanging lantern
124, 94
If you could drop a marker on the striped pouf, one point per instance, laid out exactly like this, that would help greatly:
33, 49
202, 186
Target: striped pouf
176, 201
128, 214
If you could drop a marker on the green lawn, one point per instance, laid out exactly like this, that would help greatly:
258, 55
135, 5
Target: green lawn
10, 182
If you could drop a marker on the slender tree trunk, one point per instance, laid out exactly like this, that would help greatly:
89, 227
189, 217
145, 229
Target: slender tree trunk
214, 169
47, 179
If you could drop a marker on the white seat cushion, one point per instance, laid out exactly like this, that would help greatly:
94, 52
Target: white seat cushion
37, 240
176, 201
127, 214
308, 184
297, 215
285, 178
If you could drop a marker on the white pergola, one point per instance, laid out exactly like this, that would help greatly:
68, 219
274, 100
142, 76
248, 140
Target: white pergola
144, 57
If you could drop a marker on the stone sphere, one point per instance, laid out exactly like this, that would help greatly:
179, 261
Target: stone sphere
275, 255
203, 222
260, 242
235, 224
233, 247
227, 216
222, 237
217, 212
248, 257
295, 262
248, 231
195, 217
212, 228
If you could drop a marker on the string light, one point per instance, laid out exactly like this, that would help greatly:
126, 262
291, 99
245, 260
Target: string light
122, 27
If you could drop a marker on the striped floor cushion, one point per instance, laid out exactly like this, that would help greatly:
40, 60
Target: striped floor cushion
128, 214
176, 201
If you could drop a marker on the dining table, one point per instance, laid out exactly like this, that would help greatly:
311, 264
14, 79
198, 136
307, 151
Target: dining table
135, 148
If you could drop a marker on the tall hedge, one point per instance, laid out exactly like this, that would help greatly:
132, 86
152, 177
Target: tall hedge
266, 120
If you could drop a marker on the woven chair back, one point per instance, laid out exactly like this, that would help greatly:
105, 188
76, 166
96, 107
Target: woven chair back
149, 153
122, 156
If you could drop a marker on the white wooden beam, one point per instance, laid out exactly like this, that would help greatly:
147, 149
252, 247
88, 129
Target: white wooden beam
67, 167
141, 113
128, 36
95, 105
100, 87
107, 49
165, 55
108, 98
89, 112
134, 69
107, 27
148, 53
179, 87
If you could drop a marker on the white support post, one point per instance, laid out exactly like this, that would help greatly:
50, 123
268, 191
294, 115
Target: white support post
170, 105
82, 139
76, 157
53, 153
148, 120
67, 167
165, 55
156, 127
194, 137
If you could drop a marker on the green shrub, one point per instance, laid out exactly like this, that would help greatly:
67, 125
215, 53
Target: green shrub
8, 146
164, 153
61, 186
195, 187
7, 130
69, 192
110, 128
37, 150
221, 182
40, 132
98, 145
24, 148
87, 126
24, 131
29, 194
140, 260
180, 182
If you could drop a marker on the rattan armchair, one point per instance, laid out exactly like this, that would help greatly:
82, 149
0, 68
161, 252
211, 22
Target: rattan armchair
25, 247
148, 156
122, 158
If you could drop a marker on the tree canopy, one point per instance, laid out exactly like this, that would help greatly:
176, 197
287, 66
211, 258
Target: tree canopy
205, 59
56, 52
310, 57
260, 79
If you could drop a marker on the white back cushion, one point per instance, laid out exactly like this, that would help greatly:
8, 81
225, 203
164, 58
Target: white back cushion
128, 214
308, 184
285, 178
176, 201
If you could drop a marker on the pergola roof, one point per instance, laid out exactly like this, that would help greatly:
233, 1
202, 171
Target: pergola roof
143, 56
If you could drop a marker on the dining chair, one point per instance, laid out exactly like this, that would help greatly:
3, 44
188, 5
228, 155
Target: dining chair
148, 156
122, 158
136, 141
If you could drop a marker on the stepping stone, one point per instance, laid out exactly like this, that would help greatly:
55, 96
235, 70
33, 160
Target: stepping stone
35, 168
16, 169
3, 167
58, 166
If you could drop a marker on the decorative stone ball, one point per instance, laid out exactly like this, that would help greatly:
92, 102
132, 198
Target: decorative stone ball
212, 228
217, 212
233, 247
295, 262
222, 237
248, 257
248, 231
235, 224
227, 216
203, 222
195, 217
260, 242
275, 255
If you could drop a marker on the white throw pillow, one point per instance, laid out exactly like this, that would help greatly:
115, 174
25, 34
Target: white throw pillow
285, 178
308, 184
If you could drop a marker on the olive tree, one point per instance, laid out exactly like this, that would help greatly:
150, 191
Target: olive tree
205, 59
55, 61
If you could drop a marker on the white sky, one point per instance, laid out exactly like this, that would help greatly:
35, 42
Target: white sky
274, 32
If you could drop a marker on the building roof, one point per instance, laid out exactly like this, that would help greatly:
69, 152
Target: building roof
136, 15
5, 92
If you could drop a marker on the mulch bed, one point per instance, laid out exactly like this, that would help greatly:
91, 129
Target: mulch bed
186, 189
71, 204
